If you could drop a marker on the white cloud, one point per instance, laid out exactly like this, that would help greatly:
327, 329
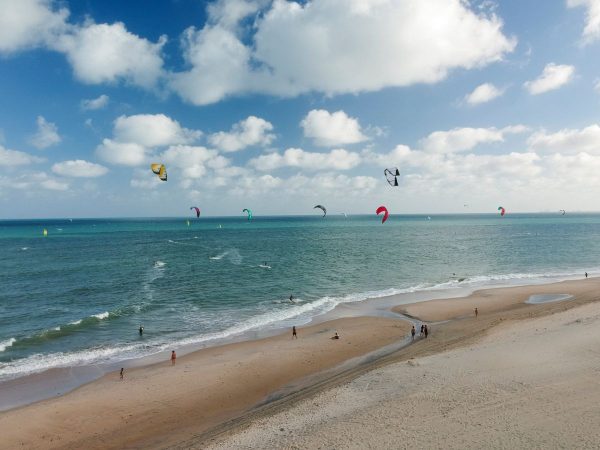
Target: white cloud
141, 180
98, 53
568, 141
333, 46
103, 53
46, 135
483, 93
95, 103
591, 32
79, 168
122, 153
338, 159
29, 23
463, 139
553, 77
153, 130
193, 160
246, 133
33, 181
16, 158
330, 129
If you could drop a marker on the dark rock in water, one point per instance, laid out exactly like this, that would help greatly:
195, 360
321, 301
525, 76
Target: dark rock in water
461, 279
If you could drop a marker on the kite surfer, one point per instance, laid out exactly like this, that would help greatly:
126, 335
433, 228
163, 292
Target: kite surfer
141, 330
292, 299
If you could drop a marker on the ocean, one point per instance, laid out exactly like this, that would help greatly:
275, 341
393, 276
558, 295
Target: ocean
77, 296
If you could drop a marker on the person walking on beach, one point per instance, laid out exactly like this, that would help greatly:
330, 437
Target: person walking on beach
426, 331
121, 374
412, 332
173, 357
422, 329
476, 312
294, 335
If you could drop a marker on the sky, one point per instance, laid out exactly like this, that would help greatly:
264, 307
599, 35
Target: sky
279, 105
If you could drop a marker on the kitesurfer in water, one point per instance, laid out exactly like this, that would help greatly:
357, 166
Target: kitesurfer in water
141, 330
292, 299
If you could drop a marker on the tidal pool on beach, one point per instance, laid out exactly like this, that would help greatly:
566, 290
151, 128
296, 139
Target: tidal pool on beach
547, 298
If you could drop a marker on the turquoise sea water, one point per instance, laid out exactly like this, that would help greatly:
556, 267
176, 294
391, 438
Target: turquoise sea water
79, 295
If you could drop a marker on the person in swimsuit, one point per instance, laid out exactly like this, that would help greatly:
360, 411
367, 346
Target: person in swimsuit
294, 335
121, 374
412, 333
173, 357
476, 312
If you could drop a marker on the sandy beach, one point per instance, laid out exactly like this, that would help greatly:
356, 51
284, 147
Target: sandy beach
500, 379
526, 384
161, 404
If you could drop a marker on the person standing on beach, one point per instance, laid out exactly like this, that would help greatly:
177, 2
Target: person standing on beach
476, 312
412, 332
121, 374
294, 335
173, 357
586, 274
426, 331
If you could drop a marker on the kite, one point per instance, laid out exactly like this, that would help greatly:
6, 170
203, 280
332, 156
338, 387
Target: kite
322, 208
160, 170
502, 211
249, 213
383, 209
562, 212
197, 210
391, 175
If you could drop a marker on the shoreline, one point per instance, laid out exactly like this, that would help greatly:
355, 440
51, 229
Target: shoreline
275, 370
56, 381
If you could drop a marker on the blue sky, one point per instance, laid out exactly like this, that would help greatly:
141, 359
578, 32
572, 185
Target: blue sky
280, 105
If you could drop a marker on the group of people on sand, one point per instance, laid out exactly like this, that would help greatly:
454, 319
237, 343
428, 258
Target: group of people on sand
424, 331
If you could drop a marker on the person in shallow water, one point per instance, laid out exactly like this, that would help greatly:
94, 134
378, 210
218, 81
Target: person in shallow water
292, 299
412, 332
426, 331
586, 274
141, 330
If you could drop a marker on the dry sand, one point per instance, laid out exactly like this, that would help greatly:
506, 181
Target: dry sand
156, 405
526, 384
